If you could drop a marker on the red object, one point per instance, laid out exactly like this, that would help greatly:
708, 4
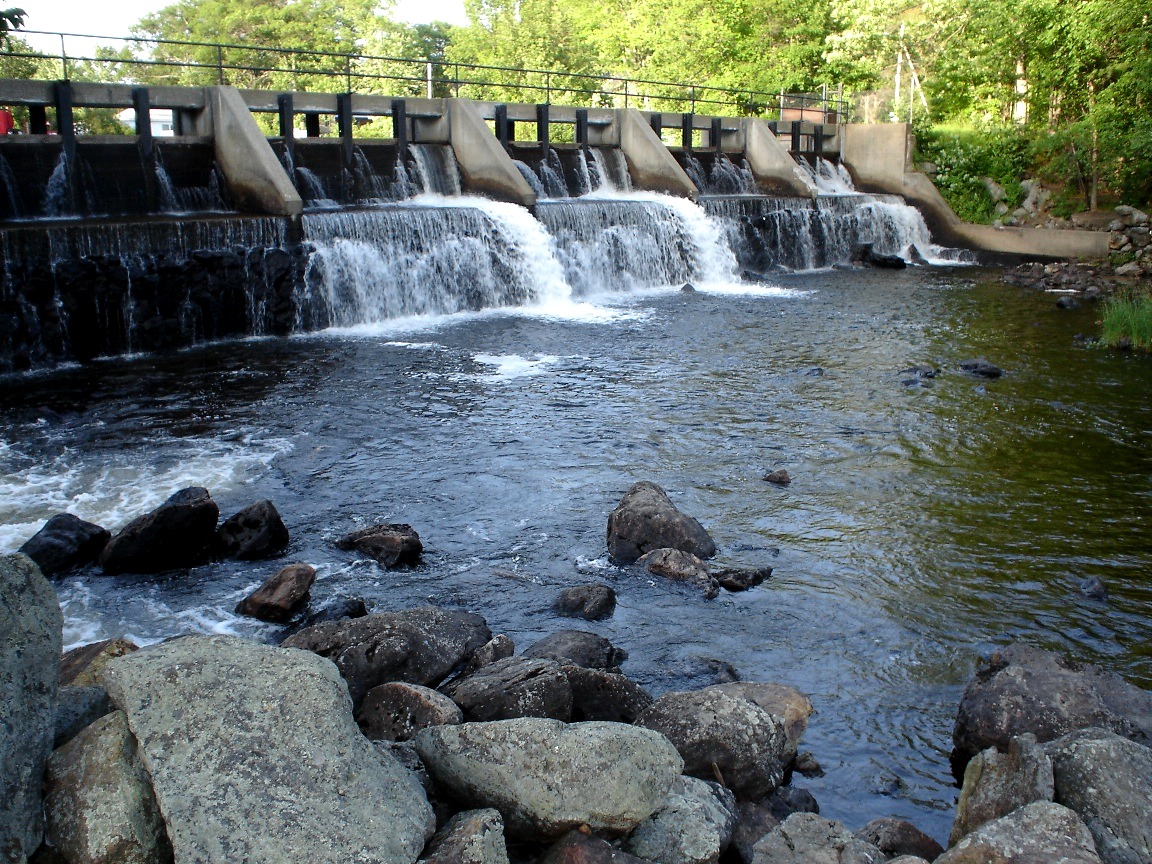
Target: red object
7, 124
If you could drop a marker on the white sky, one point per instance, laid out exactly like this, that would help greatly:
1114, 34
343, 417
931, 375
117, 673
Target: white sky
115, 18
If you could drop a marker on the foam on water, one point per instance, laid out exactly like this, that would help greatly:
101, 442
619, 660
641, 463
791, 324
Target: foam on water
508, 366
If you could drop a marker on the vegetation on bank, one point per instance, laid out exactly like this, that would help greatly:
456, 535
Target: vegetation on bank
1127, 321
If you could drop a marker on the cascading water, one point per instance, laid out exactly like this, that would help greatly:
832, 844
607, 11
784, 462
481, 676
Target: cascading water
722, 177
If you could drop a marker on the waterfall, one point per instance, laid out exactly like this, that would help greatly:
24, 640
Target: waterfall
15, 206
721, 177
436, 168
57, 198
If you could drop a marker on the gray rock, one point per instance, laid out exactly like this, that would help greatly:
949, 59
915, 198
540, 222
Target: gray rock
601, 695
31, 628
981, 369
179, 533
779, 477
693, 827
496, 648
77, 707
472, 837
513, 687
680, 567
81, 667
753, 822
65, 543
786, 800
593, 602
646, 519
578, 647
99, 801
779, 700
997, 783
547, 777
741, 578
420, 646
389, 545
717, 732
396, 711
255, 532
1026, 689
255, 757
1038, 833
805, 838
896, 837
1107, 780
280, 595
583, 847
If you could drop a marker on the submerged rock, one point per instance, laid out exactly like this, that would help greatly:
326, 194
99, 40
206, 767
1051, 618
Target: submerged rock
389, 545
646, 519
779, 477
31, 628
741, 579
65, 543
280, 595
547, 777
981, 369
254, 756
179, 533
593, 602
257, 531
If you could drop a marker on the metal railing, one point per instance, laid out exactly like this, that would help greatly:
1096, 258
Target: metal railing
263, 67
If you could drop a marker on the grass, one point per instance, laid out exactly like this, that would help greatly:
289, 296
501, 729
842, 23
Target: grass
1128, 321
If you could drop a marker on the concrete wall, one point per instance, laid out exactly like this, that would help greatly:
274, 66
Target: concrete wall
486, 168
255, 177
772, 165
650, 164
879, 158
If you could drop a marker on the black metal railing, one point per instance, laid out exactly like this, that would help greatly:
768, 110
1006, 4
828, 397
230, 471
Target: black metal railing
263, 67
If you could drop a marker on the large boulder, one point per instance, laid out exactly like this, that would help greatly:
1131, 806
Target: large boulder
254, 756
753, 822
719, 732
31, 631
579, 648
805, 838
99, 799
396, 711
513, 687
65, 543
82, 666
257, 531
1026, 689
779, 700
472, 837
1038, 833
496, 648
76, 708
547, 777
693, 827
280, 595
1107, 780
601, 695
646, 519
420, 646
179, 533
592, 602
584, 847
389, 545
997, 783
896, 837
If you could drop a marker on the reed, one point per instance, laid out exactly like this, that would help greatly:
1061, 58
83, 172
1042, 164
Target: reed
1128, 321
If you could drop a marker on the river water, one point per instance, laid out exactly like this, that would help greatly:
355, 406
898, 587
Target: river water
925, 524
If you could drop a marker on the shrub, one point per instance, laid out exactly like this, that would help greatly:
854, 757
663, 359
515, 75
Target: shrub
1128, 321
965, 156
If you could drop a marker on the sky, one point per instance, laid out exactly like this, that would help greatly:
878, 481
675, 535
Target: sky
115, 18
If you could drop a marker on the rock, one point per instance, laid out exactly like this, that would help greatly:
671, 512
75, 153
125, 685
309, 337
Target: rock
76, 708
496, 648
396, 711
995, 190
1107, 780
420, 646
513, 687
779, 700
870, 256
646, 519
81, 667
583, 847
280, 595
741, 579
547, 777
1038, 833
472, 837
921, 371
688, 288
257, 531
997, 783
981, 369
805, 838
601, 695
179, 533
674, 564
99, 800
578, 647
1132, 268
31, 628
718, 733
388, 545
779, 477
786, 800
807, 765
1067, 302
753, 822
65, 543
1026, 689
693, 827
593, 602
898, 837
1094, 588
254, 756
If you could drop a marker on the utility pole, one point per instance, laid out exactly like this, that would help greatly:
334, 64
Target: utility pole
899, 71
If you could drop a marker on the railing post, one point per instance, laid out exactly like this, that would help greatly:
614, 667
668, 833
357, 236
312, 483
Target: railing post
456, 79
796, 135
287, 122
67, 130
429, 72
686, 121
312, 125
547, 86
656, 121
542, 126
63, 58
582, 129
503, 129
715, 134
818, 140
400, 126
146, 143
220, 64
344, 122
